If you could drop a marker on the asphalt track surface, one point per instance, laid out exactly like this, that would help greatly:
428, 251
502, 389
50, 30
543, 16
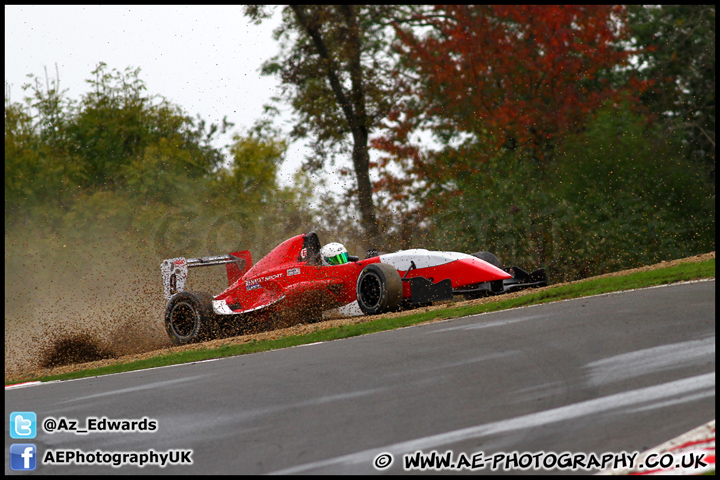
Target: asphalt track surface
610, 373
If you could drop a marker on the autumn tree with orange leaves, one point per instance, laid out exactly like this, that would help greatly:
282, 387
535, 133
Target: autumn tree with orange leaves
492, 78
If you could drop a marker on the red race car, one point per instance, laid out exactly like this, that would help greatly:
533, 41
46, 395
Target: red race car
295, 280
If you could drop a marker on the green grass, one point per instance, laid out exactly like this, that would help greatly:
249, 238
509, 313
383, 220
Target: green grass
594, 286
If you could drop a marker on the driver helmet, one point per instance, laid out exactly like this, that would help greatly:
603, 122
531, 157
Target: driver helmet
334, 254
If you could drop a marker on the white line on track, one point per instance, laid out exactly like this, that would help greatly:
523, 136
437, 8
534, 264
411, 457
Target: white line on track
33, 384
703, 385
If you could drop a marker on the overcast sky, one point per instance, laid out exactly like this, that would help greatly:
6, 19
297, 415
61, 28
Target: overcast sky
205, 59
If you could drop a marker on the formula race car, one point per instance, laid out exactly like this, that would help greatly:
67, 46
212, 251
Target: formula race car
292, 281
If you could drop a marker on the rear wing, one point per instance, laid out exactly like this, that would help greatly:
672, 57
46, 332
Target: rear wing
175, 270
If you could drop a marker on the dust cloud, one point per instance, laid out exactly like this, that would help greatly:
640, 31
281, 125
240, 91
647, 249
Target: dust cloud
78, 300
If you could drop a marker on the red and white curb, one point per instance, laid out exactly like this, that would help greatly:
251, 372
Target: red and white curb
20, 385
700, 442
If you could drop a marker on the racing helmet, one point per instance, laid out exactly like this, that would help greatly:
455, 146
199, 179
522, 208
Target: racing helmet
334, 254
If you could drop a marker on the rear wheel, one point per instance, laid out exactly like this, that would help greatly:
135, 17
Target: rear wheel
379, 289
189, 317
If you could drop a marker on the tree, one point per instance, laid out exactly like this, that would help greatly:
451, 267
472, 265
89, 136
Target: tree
517, 75
35, 139
625, 196
116, 124
21, 158
249, 183
488, 78
677, 54
335, 70
115, 139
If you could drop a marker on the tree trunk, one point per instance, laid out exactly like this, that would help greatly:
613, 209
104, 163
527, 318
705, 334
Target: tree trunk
361, 163
353, 109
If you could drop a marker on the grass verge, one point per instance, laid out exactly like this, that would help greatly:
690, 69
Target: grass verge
584, 288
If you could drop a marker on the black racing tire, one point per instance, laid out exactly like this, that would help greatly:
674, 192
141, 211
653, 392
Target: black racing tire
379, 289
189, 317
488, 257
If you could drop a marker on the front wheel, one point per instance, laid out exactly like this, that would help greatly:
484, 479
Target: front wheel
189, 317
379, 289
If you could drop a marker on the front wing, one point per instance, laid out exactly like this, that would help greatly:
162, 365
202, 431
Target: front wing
520, 280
